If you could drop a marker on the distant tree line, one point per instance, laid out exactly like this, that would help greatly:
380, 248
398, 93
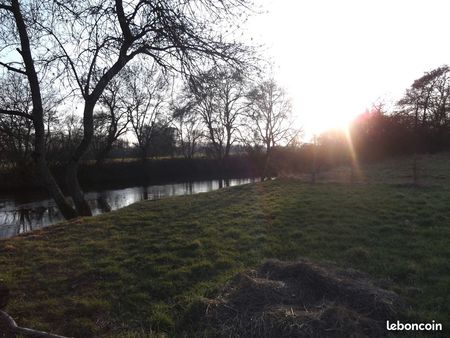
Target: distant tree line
221, 112
214, 114
419, 123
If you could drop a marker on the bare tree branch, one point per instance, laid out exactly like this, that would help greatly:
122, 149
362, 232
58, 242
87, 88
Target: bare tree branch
13, 69
6, 7
16, 113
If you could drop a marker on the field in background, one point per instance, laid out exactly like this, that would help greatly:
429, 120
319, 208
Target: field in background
433, 170
143, 268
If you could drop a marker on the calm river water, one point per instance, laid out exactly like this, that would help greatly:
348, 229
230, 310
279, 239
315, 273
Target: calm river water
20, 213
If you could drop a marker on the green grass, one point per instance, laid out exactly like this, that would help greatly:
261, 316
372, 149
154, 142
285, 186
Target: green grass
141, 269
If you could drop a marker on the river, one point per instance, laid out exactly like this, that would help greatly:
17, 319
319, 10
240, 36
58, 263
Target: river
26, 211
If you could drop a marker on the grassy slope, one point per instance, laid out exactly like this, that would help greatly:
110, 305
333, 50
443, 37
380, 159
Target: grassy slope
143, 267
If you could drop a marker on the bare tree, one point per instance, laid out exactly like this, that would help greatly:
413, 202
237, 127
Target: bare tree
146, 100
426, 105
16, 132
88, 43
111, 122
66, 138
218, 97
270, 117
189, 130
16, 24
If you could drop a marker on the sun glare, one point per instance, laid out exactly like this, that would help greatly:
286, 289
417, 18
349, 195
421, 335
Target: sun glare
313, 122
336, 64
320, 123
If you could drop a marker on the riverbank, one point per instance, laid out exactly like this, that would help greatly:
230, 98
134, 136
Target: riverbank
142, 269
122, 173
20, 213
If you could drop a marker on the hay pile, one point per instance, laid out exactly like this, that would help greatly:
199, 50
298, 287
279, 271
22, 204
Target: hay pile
300, 299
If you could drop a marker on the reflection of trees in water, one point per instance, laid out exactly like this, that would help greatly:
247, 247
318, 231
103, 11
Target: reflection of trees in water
103, 205
208, 186
224, 182
145, 193
189, 186
27, 219
117, 201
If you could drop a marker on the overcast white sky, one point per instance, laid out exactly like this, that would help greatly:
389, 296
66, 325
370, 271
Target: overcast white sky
336, 58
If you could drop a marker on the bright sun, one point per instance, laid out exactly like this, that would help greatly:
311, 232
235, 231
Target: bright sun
335, 58
314, 122
317, 124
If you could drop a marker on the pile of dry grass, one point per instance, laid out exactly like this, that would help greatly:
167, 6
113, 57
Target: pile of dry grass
300, 299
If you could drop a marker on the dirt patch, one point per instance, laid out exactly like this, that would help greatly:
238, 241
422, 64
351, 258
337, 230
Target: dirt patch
300, 299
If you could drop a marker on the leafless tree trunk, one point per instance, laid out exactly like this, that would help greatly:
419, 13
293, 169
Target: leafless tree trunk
218, 97
89, 42
37, 115
189, 130
145, 98
270, 117
111, 121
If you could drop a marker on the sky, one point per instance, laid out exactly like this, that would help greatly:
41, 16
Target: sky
336, 58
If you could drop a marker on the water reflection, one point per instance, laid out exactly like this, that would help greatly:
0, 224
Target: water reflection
19, 214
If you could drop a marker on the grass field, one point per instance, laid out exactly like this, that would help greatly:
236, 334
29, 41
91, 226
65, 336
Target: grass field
143, 268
